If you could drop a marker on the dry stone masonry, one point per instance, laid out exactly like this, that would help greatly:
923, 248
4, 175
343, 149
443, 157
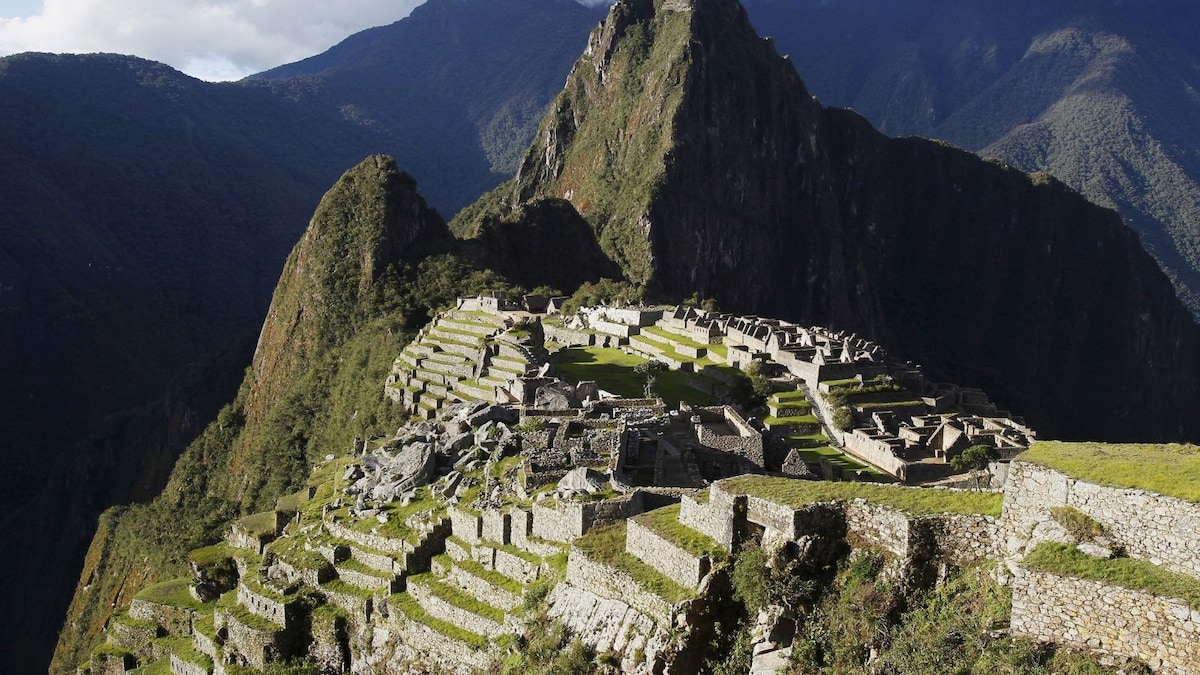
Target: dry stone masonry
422, 547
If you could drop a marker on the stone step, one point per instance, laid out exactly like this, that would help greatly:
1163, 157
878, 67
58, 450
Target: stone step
374, 559
476, 390
496, 380
407, 360
488, 586
508, 365
443, 357
468, 351
450, 371
455, 606
479, 318
360, 575
467, 326
508, 560
420, 350
429, 376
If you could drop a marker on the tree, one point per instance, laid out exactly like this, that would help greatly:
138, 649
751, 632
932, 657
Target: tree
974, 457
650, 369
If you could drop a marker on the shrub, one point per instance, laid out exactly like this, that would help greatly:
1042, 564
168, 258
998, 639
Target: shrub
974, 457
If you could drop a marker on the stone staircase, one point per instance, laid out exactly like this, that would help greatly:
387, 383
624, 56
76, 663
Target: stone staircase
460, 356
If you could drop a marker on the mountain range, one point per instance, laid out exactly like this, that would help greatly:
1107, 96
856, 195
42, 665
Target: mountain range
1103, 95
146, 228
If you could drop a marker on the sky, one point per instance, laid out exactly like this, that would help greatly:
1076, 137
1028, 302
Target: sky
208, 39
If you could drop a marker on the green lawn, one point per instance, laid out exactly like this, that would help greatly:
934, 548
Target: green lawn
1172, 470
911, 500
612, 370
1138, 575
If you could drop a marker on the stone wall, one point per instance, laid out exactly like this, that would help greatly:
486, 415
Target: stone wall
262, 605
663, 555
183, 667
174, 620
257, 646
1163, 530
884, 527
874, 452
375, 541
446, 653
483, 590
496, 526
607, 625
568, 521
746, 443
465, 525
452, 613
1161, 632
713, 518
961, 539
607, 582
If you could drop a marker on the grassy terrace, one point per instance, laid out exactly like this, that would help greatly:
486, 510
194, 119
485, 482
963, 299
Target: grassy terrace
409, 607
339, 586
913, 501
457, 597
612, 369
159, 667
773, 421
176, 593
665, 523
492, 577
259, 524
211, 555
229, 603
607, 546
513, 550
1131, 573
183, 648
1172, 470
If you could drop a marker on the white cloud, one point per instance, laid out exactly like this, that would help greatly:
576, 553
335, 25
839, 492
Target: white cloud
209, 39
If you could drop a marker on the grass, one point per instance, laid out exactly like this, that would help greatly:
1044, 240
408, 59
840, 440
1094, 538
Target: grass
211, 555
1171, 470
1131, 573
184, 649
1081, 526
176, 593
773, 421
606, 545
253, 621
339, 586
409, 607
513, 550
159, 667
259, 524
796, 395
491, 576
457, 597
673, 337
665, 523
612, 370
913, 501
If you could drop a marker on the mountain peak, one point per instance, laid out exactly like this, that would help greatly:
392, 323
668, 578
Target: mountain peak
371, 219
703, 165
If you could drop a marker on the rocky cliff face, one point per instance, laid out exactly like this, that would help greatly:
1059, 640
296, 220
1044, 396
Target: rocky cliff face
702, 163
